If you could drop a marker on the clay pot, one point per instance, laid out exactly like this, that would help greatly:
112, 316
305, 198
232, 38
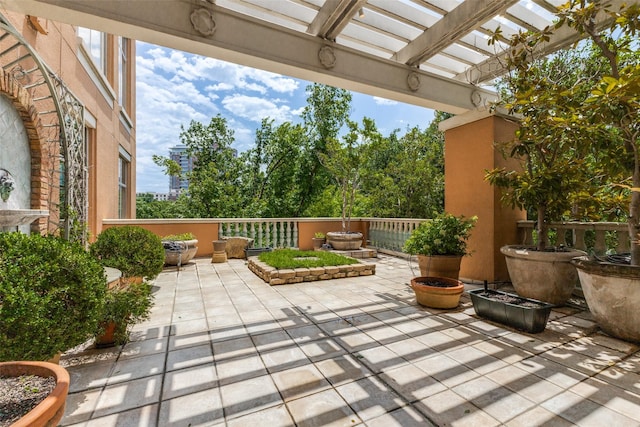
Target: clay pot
439, 265
437, 296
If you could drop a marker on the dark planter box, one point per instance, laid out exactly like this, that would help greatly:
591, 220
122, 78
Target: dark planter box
531, 317
256, 251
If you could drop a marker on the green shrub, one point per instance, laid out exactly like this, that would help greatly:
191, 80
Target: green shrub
125, 306
51, 296
293, 258
134, 251
175, 237
444, 235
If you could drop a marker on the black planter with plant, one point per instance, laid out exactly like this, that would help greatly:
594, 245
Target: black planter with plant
525, 314
52, 296
134, 251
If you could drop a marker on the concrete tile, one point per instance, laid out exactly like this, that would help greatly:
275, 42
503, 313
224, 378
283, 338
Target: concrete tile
402, 417
355, 341
448, 408
244, 397
203, 408
538, 416
306, 333
476, 359
326, 408
385, 334
178, 342
369, 397
144, 366
412, 383
410, 349
143, 348
524, 383
609, 396
272, 340
497, 401
232, 370
551, 371
284, 358
89, 376
446, 370
138, 417
321, 349
190, 356
276, 416
584, 412
128, 395
189, 326
232, 348
189, 380
380, 359
621, 378
342, 369
301, 381
80, 406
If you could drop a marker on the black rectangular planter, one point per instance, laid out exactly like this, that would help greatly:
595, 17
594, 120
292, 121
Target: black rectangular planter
529, 318
255, 251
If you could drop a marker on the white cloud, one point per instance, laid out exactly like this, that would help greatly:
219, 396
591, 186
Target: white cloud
255, 109
384, 101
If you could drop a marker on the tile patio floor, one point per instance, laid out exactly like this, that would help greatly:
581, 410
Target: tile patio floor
222, 348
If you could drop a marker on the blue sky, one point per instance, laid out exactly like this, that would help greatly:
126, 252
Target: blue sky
175, 87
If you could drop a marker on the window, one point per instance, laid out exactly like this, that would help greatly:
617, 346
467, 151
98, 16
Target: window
96, 43
123, 182
123, 71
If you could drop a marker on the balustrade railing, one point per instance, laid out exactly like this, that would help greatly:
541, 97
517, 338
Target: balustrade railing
593, 237
266, 232
391, 233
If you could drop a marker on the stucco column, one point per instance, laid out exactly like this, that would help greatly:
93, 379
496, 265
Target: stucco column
469, 152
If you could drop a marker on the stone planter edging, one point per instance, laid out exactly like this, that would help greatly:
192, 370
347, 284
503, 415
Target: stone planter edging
273, 276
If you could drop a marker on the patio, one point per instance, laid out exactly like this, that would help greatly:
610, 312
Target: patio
224, 348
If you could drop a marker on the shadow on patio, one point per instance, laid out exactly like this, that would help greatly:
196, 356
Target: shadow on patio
224, 348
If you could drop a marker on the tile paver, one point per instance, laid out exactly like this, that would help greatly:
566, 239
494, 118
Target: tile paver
222, 348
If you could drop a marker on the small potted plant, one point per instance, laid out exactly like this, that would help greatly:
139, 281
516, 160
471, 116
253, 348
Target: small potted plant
136, 252
318, 240
179, 248
125, 305
440, 244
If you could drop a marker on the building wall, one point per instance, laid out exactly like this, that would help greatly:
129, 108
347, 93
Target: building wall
111, 127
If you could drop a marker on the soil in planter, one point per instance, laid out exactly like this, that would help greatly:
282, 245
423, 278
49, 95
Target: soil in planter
19, 395
509, 299
436, 283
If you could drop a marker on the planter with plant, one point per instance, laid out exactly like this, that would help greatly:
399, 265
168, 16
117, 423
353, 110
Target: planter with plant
136, 252
33, 394
125, 305
343, 162
440, 244
52, 296
179, 248
437, 292
318, 240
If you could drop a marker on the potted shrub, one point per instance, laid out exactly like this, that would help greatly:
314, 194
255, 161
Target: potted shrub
125, 305
440, 244
343, 162
136, 252
51, 296
179, 248
318, 240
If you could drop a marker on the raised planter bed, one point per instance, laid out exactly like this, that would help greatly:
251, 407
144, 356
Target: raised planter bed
521, 313
273, 276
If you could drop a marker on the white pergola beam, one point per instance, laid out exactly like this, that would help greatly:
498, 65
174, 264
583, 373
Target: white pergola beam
333, 16
465, 18
246, 41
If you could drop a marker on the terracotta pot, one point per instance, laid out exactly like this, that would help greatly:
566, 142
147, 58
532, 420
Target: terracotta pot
317, 242
543, 275
440, 265
49, 412
612, 292
107, 339
435, 296
343, 241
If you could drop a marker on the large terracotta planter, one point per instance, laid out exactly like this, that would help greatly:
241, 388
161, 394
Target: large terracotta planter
541, 275
435, 296
612, 292
50, 411
440, 265
344, 241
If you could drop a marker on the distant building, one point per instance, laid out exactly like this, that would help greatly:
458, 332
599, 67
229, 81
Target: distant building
179, 155
161, 197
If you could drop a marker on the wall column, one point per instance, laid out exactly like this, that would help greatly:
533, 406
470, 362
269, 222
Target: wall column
469, 152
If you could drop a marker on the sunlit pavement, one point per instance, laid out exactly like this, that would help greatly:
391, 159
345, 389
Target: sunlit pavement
223, 348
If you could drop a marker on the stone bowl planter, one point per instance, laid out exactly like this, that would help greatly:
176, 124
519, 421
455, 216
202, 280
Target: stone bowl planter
542, 275
525, 314
612, 292
447, 296
49, 412
179, 252
343, 241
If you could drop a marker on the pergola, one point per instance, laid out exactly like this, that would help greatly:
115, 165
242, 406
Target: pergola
431, 53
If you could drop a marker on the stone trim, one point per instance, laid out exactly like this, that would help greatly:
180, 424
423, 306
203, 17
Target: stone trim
273, 276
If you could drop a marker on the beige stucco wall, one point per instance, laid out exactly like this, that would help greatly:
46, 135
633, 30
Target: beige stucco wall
469, 152
60, 49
